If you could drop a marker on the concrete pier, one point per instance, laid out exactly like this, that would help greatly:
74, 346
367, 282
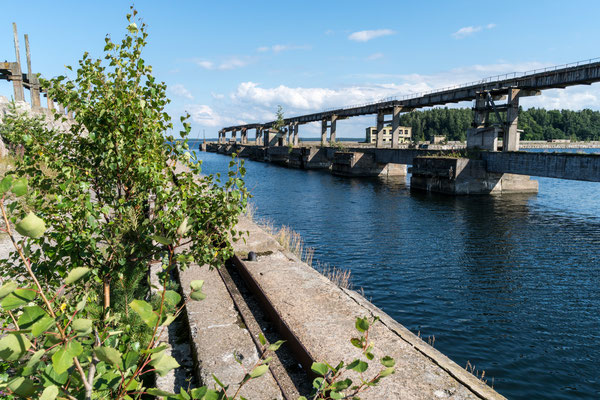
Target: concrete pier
363, 164
462, 176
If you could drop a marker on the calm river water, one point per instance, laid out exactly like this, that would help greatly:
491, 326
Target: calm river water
510, 284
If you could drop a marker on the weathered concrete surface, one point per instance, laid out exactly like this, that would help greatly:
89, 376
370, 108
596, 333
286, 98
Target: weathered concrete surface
363, 164
217, 332
322, 316
462, 176
581, 167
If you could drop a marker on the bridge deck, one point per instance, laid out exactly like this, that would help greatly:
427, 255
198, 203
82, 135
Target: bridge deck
550, 78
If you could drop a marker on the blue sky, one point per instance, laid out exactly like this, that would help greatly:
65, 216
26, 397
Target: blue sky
233, 62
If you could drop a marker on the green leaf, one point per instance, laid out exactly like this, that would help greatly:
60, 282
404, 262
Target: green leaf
218, 381
82, 326
388, 361
76, 274
336, 395
275, 346
30, 316
362, 324
31, 226
356, 342
145, 311
183, 227
262, 339
7, 288
319, 368
33, 362
158, 392
6, 184
358, 366
18, 298
369, 355
387, 371
108, 355
196, 285
19, 187
22, 387
163, 363
259, 371
162, 240
197, 296
172, 297
14, 346
42, 325
341, 385
62, 360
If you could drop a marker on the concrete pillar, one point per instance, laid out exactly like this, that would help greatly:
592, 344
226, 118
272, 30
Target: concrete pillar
482, 112
379, 141
511, 135
34, 89
16, 74
50, 103
288, 134
244, 138
257, 136
323, 132
332, 129
396, 127
295, 140
233, 135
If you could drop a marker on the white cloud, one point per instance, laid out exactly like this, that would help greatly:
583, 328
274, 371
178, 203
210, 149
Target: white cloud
225, 65
365, 36
179, 90
375, 56
217, 95
469, 30
277, 48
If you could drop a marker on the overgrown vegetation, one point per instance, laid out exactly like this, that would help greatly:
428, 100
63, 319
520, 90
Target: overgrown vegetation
93, 207
536, 123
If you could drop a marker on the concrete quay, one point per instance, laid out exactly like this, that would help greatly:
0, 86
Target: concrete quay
322, 316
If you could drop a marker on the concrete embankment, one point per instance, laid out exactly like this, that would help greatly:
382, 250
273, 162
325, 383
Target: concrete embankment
321, 315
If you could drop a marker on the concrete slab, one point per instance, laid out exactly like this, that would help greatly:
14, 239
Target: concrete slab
217, 332
322, 316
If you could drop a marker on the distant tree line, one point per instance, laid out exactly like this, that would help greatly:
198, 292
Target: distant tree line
536, 123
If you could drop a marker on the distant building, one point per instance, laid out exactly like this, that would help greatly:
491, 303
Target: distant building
404, 137
438, 139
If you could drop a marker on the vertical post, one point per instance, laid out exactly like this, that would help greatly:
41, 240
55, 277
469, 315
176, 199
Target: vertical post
34, 88
233, 135
50, 102
257, 136
379, 141
288, 131
511, 134
244, 138
396, 127
323, 131
296, 134
16, 74
332, 129
481, 111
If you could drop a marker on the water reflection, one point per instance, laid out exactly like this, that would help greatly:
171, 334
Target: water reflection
508, 282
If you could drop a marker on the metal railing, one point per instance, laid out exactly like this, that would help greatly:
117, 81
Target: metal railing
487, 80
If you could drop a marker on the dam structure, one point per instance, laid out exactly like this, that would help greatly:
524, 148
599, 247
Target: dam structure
487, 166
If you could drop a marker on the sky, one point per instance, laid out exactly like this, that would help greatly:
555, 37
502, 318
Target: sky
234, 62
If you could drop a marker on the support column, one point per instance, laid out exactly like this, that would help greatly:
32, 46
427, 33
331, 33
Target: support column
34, 88
257, 135
16, 74
396, 127
233, 135
323, 132
244, 138
288, 134
482, 112
332, 129
296, 134
50, 102
511, 134
379, 141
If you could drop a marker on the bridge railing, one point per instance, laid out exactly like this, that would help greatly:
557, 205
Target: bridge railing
490, 79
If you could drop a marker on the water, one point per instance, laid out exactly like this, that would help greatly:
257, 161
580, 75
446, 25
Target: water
509, 284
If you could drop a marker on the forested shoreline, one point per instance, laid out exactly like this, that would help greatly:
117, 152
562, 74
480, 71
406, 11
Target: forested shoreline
536, 123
